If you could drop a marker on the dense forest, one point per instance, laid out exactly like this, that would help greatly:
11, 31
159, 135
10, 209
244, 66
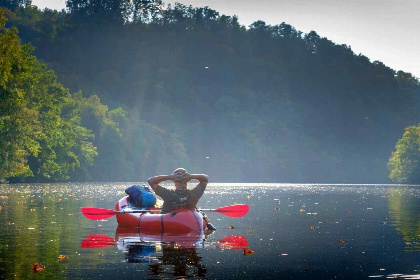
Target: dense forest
121, 90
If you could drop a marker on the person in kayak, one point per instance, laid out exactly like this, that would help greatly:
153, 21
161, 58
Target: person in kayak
181, 197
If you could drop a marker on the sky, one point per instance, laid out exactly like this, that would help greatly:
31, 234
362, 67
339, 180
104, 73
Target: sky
384, 30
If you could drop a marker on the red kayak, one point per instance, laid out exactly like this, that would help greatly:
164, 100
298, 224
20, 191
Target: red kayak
182, 221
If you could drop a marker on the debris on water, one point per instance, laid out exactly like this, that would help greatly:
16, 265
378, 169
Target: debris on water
231, 227
36, 267
312, 228
277, 209
251, 230
385, 196
33, 209
350, 212
59, 199
62, 257
248, 196
248, 252
341, 241
302, 210
284, 254
382, 269
31, 228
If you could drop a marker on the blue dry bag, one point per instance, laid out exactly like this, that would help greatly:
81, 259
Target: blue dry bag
141, 196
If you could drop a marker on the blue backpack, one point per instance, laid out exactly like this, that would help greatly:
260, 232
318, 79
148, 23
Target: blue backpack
141, 196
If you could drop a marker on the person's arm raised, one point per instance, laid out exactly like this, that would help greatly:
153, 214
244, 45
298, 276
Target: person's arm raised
202, 178
156, 180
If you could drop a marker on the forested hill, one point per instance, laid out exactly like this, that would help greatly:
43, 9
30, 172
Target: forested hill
186, 86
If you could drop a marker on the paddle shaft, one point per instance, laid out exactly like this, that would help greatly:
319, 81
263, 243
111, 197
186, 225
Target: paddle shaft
234, 211
153, 211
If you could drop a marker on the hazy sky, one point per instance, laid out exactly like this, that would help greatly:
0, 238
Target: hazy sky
385, 30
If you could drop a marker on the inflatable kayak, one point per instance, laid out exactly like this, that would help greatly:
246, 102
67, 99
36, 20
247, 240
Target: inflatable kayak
183, 221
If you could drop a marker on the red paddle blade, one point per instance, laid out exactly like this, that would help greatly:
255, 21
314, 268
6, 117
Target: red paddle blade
98, 213
234, 211
97, 241
234, 242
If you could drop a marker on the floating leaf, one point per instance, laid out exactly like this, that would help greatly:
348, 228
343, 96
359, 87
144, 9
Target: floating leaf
277, 209
231, 227
248, 196
62, 257
251, 230
33, 209
312, 228
302, 210
248, 252
341, 241
36, 267
350, 211
3, 197
385, 196
59, 199
1, 208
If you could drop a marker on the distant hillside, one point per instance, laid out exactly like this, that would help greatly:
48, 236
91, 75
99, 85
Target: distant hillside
263, 104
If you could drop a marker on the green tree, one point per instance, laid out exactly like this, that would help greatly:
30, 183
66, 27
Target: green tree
100, 11
404, 163
20, 128
35, 140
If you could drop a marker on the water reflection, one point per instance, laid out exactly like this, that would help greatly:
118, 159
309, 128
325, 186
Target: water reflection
379, 224
165, 255
404, 207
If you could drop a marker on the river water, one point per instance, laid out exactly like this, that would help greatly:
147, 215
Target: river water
292, 231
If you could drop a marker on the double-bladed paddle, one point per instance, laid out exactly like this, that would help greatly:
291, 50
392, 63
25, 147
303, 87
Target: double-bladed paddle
93, 213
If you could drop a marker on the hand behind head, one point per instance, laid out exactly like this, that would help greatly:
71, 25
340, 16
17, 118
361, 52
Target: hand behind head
181, 176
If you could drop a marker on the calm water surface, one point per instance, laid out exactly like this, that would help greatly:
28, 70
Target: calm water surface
290, 232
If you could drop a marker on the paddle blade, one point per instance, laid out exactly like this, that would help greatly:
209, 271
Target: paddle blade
233, 242
97, 241
234, 211
98, 213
